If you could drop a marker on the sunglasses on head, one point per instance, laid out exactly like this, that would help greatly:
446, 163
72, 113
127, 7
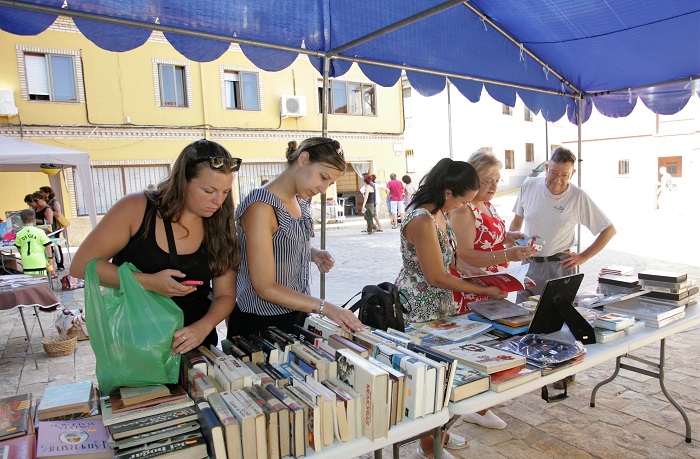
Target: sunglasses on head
219, 163
336, 146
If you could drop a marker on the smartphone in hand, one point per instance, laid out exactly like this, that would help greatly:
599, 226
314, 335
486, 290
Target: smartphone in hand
192, 282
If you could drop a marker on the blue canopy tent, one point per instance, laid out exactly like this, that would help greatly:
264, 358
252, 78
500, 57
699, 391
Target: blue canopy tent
561, 57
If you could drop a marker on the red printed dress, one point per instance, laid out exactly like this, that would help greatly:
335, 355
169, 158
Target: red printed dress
490, 237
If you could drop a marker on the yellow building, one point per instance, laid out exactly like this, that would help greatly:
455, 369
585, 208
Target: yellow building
133, 112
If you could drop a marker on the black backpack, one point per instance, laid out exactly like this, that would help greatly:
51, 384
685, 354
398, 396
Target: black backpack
379, 306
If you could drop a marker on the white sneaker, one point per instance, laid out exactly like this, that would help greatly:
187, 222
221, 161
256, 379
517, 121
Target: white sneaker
445, 454
489, 420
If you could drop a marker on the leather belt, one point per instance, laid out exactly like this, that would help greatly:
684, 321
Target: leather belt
555, 257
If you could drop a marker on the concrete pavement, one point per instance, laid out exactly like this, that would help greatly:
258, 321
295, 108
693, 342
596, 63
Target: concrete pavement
632, 418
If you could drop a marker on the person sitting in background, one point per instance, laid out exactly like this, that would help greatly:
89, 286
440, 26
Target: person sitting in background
274, 235
427, 249
481, 242
33, 244
194, 204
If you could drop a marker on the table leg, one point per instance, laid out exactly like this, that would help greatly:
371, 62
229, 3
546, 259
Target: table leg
662, 364
378, 454
437, 442
36, 313
29, 341
602, 383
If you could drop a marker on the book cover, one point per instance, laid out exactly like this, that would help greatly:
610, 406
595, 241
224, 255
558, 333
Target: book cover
135, 395
603, 335
415, 381
618, 280
668, 296
153, 422
246, 420
23, 447
211, 429
450, 362
517, 321
187, 445
504, 380
468, 382
271, 419
481, 357
498, 327
15, 415
94, 411
283, 419
347, 397
638, 326
296, 421
497, 309
174, 393
68, 439
230, 425
454, 328
666, 321
644, 310
65, 399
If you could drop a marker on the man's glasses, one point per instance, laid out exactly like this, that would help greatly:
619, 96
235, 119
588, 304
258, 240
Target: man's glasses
219, 163
491, 182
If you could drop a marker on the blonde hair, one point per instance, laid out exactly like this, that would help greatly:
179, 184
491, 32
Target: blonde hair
483, 159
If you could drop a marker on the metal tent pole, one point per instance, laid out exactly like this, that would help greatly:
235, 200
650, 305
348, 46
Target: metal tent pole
579, 122
324, 133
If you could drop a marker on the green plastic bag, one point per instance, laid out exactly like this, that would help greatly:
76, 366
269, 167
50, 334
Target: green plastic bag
131, 330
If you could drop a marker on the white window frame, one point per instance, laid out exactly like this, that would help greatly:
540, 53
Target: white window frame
225, 73
189, 101
27, 76
363, 87
623, 167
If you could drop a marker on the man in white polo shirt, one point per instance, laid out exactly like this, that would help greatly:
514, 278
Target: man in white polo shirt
551, 207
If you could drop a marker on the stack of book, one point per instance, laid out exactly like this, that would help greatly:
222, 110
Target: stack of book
668, 288
142, 421
618, 270
653, 314
615, 284
609, 325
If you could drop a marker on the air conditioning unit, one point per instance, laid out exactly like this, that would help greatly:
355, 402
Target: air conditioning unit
293, 106
7, 103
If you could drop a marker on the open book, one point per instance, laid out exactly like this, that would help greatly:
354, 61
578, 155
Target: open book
510, 280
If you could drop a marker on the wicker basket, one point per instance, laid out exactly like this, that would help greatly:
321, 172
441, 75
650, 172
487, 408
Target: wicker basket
77, 331
59, 345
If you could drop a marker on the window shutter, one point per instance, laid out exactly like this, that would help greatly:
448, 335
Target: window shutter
37, 76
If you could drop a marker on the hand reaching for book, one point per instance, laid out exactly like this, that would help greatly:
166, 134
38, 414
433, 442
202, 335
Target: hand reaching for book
343, 317
495, 292
188, 338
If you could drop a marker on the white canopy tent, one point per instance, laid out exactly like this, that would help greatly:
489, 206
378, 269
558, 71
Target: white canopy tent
22, 156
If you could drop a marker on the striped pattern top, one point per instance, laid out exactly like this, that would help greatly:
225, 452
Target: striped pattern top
291, 248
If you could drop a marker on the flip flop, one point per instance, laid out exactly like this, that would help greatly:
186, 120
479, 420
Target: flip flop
454, 441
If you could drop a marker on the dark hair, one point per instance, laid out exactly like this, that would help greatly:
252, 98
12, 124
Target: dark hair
563, 155
48, 190
320, 150
457, 176
367, 179
28, 198
291, 148
27, 215
168, 199
39, 195
406, 179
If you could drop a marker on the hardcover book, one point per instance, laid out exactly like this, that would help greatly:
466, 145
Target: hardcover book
497, 309
613, 321
15, 415
18, 447
153, 422
174, 393
644, 310
65, 399
109, 418
504, 380
603, 335
190, 445
468, 382
83, 438
662, 276
481, 357
211, 429
155, 435
135, 395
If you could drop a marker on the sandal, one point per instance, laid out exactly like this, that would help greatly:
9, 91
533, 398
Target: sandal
454, 441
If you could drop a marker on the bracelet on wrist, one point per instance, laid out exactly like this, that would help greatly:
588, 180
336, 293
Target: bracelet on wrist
494, 257
505, 254
320, 308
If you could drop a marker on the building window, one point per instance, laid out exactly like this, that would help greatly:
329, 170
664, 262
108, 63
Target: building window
172, 86
528, 115
410, 162
173, 83
349, 98
251, 174
50, 77
529, 152
623, 167
510, 159
117, 181
241, 90
507, 110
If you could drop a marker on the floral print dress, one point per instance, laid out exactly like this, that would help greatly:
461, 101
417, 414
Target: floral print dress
490, 237
423, 301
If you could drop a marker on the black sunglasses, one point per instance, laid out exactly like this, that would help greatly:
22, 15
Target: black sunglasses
221, 163
336, 146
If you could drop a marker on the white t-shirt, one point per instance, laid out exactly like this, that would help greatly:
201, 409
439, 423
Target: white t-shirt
554, 217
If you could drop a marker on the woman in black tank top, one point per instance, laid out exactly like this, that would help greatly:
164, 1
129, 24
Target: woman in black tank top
199, 272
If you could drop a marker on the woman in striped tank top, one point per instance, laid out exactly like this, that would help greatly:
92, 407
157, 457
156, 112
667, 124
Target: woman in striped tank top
274, 234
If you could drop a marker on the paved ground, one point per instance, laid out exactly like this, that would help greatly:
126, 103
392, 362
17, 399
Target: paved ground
632, 418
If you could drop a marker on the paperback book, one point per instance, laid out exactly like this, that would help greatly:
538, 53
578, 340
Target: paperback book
15, 415
454, 328
504, 380
510, 280
497, 309
482, 357
69, 439
468, 382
